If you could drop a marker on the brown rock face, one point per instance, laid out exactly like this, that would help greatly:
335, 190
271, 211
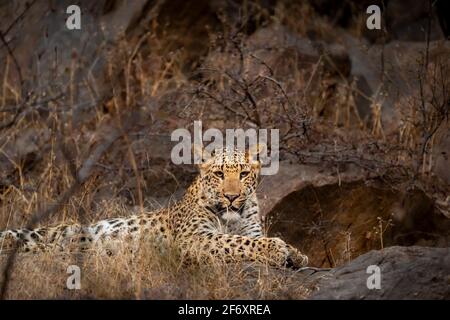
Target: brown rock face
334, 224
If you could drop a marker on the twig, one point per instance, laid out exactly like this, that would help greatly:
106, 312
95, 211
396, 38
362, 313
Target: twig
16, 64
314, 269
19, 17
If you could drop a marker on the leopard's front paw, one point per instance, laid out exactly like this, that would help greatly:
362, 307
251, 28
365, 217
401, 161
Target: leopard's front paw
283, 254
295, 258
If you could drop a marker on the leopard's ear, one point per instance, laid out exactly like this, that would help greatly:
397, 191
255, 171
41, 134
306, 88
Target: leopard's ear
254, 151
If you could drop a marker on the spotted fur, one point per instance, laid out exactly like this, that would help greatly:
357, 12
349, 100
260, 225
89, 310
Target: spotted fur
217, 217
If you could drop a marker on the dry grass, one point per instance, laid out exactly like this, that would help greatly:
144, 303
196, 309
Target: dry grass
147, 274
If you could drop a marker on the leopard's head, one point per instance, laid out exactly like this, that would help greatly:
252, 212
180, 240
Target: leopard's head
227, 179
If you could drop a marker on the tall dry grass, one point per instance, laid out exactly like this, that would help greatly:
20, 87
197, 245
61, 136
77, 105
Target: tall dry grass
148, 274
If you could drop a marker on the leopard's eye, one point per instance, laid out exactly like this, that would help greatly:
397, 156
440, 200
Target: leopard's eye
219, 174
244, 174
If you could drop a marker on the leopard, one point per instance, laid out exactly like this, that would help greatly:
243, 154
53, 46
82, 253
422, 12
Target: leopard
218, 217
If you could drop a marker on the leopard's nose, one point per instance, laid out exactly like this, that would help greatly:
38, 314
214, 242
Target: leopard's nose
231, 196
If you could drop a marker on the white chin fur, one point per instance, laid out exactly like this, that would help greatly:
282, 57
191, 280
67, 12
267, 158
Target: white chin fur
231, 216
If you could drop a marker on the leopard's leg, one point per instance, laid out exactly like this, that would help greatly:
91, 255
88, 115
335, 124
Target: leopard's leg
39, 239
274, 251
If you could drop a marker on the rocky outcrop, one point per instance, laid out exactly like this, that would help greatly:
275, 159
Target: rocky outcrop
292, 177
334, 223
406, 273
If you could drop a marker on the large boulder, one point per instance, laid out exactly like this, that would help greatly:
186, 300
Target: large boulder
406, 273
333, 223
293, 177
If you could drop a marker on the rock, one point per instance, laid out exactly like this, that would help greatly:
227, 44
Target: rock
408, 21
73, 63
121, 17
293, 177
336, 223
406, 273
22, 150
276, 43
281, 50
394, 81
404, 20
